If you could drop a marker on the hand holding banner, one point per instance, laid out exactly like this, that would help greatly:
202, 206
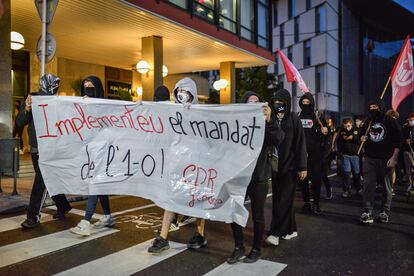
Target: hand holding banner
196, 161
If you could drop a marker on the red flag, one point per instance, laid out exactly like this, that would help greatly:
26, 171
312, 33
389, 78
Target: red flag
402, 75
292, 74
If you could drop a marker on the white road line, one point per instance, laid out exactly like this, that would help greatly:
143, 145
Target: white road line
28, 249
125, 262
11, 223
261, 267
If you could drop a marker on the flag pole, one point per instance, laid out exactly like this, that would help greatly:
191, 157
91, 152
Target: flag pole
370, 122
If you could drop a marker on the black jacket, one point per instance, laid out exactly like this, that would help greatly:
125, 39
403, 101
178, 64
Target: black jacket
274, 135
408, 133
26, 118
384, 135
316, 142
292, 150
348, 147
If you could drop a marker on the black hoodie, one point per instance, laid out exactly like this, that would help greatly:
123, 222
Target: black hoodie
161, 94
315, 141
292, 151
99, 91
273, 137
384, 136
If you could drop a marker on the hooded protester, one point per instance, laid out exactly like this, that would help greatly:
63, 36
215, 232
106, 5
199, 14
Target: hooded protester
185, 93
258, 186
162, 94
92, 88
382, 146
316, 133
48, 86
292, 165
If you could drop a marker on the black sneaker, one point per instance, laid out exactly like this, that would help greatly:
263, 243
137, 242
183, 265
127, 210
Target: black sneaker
61, 214
30, 223
197, 241
307, 208
316, 209
158, 245
383, 217
253, 256
366, 218
237, 254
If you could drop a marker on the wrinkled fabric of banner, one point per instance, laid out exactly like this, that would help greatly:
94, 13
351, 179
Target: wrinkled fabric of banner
196, 160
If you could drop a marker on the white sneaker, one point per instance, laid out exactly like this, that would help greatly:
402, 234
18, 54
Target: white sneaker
104, 221
272, 240
290, 236
83, 228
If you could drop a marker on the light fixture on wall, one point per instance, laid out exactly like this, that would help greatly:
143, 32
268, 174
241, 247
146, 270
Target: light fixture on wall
139, 91
220, 84
164, 71
142, 67
16, 41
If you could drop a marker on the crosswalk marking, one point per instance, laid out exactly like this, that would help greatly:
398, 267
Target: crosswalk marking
11, 223
28, 249
261, 267
125, 262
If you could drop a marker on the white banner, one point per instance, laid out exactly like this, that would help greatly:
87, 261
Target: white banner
195, 160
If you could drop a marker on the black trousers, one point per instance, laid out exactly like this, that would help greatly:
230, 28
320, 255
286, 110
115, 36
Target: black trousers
257, 192
315, 177
283, 212
38, 195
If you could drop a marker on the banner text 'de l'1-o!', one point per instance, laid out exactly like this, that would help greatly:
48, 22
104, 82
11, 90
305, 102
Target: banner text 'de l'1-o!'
195, 160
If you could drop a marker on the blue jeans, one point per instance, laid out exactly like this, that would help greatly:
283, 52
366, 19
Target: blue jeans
91, 205
350, 163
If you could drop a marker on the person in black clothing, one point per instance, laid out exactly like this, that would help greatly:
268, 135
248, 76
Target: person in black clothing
359, 123
292, 164
162, 94
258, 186
328, 156
49, 85
382, 146
408, 153
348, 145
17, 131
316, 133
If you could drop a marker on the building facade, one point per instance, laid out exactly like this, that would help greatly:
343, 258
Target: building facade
344, 49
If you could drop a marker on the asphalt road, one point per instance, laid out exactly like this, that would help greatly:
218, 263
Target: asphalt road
331, 244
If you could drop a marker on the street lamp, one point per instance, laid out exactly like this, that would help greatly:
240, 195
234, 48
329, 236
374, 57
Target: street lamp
143, 67
16, 41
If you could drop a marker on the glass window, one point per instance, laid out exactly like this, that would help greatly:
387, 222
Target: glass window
291, 8
276, 66
320, 79
289, 53
263, 25
307, 45
282, 36
320, 19
274, 14
204, 8
247, 19
296, 29
180, 3
308, 4
228, 12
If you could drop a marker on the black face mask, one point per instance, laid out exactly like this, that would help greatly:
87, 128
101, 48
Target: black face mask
306, 108
374, 113
90, 92
279, 107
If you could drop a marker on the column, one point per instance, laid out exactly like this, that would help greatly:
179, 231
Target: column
228, 72
6, 106
152, 53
